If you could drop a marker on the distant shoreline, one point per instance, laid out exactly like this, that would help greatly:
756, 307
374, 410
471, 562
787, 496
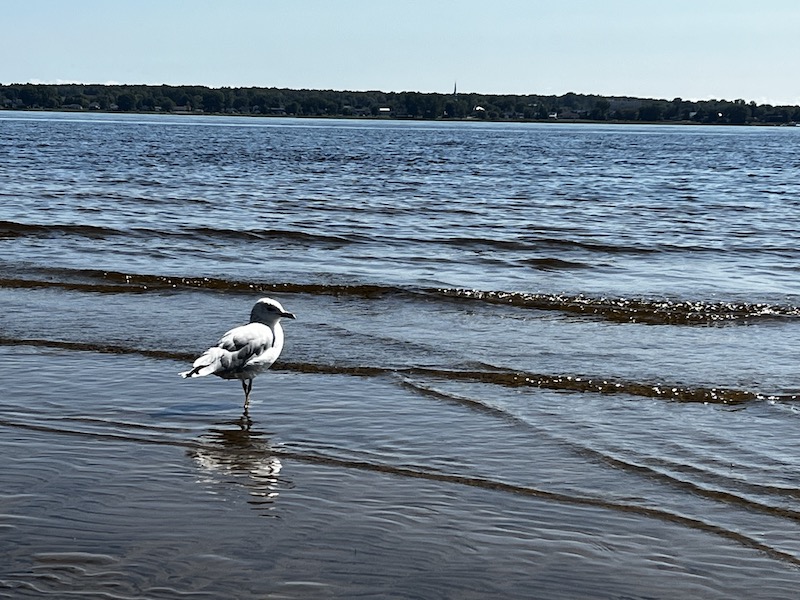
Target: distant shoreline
394, 119
274, 102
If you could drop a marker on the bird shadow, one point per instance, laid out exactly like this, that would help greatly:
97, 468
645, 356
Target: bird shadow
235, 454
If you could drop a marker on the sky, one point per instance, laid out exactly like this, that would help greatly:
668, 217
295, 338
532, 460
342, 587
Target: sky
696, 50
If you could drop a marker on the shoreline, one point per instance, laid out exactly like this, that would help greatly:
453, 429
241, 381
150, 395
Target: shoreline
201, 113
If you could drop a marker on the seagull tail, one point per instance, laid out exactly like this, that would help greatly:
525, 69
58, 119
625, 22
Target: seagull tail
190, 373
207, 364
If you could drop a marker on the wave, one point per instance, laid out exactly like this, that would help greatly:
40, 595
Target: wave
94, 347
486, 375
266, 234
13, 229
87, 280
581, 384
651, 311
633, 310
538, 242
555, 264
535, 243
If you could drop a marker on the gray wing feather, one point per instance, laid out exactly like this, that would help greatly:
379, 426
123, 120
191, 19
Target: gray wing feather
234, 352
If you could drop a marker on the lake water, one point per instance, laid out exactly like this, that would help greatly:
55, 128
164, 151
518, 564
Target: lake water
530, 361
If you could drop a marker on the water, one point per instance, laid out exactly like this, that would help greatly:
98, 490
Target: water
530, 360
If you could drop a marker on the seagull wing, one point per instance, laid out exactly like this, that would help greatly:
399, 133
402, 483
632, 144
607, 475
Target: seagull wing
247, 343
238, 349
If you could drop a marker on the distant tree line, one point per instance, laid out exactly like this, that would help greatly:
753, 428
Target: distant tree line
400, 105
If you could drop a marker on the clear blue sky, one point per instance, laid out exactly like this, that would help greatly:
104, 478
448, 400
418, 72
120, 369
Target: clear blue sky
700, 49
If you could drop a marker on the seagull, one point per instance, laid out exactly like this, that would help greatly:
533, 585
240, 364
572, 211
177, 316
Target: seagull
245, 351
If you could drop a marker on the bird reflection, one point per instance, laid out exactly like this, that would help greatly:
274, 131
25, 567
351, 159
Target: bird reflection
233, 452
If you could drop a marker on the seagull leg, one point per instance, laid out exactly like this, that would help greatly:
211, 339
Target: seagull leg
247, 385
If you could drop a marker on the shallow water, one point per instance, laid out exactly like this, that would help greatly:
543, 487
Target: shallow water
529, 361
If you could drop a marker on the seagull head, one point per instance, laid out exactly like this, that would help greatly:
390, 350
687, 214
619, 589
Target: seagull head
269, 311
